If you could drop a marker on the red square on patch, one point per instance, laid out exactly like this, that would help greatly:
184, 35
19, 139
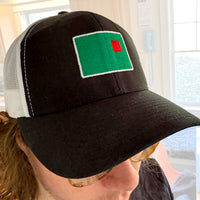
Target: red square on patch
116, 46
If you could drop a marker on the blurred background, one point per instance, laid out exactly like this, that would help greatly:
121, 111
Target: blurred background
167, 37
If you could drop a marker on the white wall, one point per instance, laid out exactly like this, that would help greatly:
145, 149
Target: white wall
116, 10
7, 25
138, 37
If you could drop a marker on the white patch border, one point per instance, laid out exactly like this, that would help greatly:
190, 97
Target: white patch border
103, 73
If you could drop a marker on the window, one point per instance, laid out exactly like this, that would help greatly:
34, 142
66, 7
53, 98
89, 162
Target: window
180, 33
186, 51
29, 17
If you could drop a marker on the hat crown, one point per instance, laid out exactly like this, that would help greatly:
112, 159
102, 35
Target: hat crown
50, 68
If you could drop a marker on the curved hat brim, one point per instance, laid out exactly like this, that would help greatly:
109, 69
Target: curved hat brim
92, 138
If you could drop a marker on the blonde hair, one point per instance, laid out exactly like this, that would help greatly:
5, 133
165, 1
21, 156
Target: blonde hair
17, 180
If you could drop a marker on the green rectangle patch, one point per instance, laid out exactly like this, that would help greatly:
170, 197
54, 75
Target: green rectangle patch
101, 53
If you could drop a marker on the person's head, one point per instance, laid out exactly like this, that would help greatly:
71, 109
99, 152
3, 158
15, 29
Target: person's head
75, 86
23, 176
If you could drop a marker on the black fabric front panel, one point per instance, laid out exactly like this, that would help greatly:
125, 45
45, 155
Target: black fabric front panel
52, 71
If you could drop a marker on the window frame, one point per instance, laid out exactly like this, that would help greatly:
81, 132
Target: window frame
24, 15
168, 61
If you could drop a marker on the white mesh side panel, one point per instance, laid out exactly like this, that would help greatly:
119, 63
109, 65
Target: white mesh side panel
15, 100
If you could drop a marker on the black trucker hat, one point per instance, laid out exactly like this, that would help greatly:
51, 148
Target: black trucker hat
76, 86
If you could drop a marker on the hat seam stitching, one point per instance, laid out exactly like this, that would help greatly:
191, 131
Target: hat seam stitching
25, 72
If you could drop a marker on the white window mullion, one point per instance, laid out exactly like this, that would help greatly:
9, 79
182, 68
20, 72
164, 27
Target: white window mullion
166, 50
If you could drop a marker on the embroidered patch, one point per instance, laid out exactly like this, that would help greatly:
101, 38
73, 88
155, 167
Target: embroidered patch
100, 53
